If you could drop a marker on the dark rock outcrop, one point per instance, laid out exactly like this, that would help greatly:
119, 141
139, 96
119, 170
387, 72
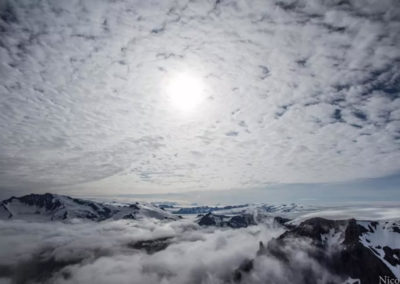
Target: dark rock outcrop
41, 200
151, 246
237, 221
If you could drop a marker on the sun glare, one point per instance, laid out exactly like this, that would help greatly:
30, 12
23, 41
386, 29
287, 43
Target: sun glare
185, 91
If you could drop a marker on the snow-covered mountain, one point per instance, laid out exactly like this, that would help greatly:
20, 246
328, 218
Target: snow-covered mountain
42, 207
288, 210
383, 240
348, 251
208, 209
241, 216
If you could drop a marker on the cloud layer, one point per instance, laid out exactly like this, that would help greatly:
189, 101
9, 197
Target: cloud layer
108, 252
296, 91
105, 252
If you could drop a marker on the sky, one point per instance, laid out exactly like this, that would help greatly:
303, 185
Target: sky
143, 97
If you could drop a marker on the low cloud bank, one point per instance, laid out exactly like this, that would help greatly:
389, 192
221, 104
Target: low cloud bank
145, 252
116, 252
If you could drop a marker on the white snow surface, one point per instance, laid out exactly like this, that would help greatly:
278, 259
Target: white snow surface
380, 236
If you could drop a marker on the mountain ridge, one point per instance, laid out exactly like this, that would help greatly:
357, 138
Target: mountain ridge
60, 207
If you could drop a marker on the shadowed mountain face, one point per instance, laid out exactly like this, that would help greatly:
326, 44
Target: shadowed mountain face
237, 221
48, 206
344, 249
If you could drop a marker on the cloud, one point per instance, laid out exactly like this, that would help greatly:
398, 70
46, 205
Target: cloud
102, 252
232, 133
312, 85
298, 267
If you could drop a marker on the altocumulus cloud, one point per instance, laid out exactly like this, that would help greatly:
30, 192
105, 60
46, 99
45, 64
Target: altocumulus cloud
308, 90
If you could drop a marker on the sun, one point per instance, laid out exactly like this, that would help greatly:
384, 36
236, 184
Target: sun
185, 91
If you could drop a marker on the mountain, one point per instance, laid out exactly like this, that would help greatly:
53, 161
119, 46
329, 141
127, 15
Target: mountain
349, 251
237, 221
42, 207
240, 220
207, 209
258, 210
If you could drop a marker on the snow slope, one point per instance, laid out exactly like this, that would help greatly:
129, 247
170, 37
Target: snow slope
383, 239
43, 207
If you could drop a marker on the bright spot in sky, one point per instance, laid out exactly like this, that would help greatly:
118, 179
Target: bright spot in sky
185, 91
